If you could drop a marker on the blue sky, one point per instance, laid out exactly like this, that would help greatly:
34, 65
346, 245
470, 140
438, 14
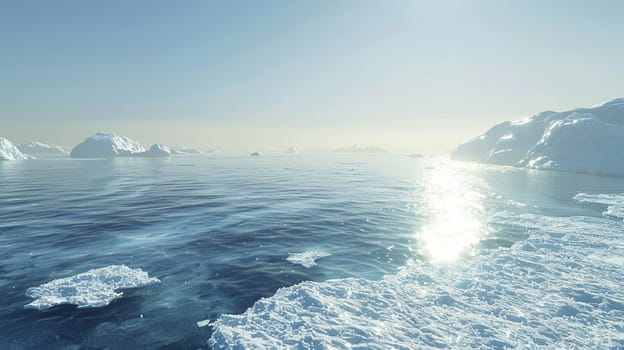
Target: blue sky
408, 75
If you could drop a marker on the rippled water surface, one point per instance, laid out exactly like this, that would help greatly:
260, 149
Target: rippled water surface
218, 231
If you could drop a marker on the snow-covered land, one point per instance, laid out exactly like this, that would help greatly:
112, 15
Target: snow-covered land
94, 288
586, 140
37, 147
157, 150
8, 151
306, 259
106, 145
559, 289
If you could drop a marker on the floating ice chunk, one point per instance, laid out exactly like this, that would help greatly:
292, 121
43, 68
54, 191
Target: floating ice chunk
94, 288
8, 151
203, 323
308, 258
615, 203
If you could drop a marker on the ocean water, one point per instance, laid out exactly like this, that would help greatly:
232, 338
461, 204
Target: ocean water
408, 246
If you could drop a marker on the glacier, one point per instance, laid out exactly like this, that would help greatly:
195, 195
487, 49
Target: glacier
584, 140
106, 145
91, 289
560, 288
8, 151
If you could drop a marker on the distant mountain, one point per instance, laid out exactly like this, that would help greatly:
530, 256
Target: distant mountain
181, 149
8, 151
359, 149
37, 147
586, 140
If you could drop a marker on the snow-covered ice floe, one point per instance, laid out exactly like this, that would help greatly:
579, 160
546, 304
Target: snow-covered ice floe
614, 202
8, 151
306, 259
94, 288
585, 140
560, 289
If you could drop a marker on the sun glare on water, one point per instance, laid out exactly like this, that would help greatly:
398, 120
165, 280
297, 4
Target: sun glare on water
455, 215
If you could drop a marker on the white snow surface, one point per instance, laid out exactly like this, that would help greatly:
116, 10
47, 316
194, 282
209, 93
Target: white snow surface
614, 202
560, 289
157, 150
8, 151
306, 259
586, 140
94, 288
106, 145
37, 147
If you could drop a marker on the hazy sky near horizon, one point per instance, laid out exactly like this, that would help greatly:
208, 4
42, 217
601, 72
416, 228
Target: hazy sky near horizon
404, 75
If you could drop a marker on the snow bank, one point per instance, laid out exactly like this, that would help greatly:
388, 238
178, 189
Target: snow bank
583, 140
106, 145
37, 147
157, 150
559, 289
306, 259
8, 151
94, 288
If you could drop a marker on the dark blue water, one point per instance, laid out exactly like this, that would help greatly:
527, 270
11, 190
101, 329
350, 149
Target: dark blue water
217, 232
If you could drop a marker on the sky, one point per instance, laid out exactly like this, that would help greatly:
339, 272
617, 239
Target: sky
413, 75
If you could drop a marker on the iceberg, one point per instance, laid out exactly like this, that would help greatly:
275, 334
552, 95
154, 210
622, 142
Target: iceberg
585, 140
306, 259
181, 149
37, 147
8, 151
106, 145
359, 149
157, 150
94, 288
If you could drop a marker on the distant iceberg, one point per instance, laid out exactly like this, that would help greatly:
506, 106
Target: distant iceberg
181, 149
106, 145
94, 288
359, 149
157, 150
8, 151
41, 148
585, 140
306, 259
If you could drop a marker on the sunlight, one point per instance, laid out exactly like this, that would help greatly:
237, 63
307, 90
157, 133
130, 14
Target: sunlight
455, 224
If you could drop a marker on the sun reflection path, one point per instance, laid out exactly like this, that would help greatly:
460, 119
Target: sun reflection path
456, 221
